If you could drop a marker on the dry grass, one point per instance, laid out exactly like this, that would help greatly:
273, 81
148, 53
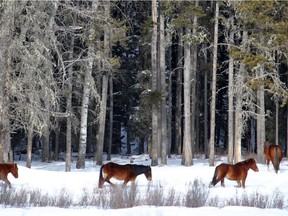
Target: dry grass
197, 195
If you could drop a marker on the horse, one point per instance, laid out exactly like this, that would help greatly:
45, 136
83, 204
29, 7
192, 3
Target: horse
274, 154
127, 172
6, 168
237, 172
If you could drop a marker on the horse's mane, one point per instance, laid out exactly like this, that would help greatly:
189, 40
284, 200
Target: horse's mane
139, 169
246, 161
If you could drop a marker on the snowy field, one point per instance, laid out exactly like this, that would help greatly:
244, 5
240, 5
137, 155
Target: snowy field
52, 178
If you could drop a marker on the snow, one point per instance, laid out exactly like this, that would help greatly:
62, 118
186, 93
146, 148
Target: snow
52, 179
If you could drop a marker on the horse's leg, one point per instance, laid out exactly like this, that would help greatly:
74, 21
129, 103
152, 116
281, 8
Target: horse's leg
108, 180
132, 180
268, 162
243, 183
238, 183
222, 183
7, 182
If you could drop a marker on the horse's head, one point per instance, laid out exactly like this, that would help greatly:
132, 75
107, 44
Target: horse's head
253, 165
148, 173
14, 170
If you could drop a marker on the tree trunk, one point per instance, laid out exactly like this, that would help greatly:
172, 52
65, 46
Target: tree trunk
238, 116
179, 87
206, 149
260, 120
5, 63
80, 164
238, 104
231, 98
163, 105
187, 159
169, 111
103, 106
102, 119
193, 83
29, 147
56, 149
110, 118
69, 110
154, 149
213, 90
46, 145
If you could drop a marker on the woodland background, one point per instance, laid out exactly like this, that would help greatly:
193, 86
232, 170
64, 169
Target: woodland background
178, 77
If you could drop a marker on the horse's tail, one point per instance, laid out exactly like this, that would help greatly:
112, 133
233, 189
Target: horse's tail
276, 159
214, 177
101, 179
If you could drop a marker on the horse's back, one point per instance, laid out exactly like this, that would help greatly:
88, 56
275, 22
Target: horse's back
117, 171
271, 150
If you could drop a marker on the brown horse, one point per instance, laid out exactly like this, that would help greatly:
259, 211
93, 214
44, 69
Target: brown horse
6, 168
274, 154
127, 172
237, 172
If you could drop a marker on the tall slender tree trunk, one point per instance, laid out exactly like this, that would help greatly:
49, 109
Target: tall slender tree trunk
80, 164
6, 35
46, 144
206, 149
69, 109
231, 98
102, 119
194, 54
103, 107
187, 156
179, 87
154, 149
110, 118
163, 90
238, 116
169, 111
29, 147
238, 103
260, 120
5, 143
213, 90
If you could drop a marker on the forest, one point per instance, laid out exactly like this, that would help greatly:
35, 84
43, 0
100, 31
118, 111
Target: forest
103, 77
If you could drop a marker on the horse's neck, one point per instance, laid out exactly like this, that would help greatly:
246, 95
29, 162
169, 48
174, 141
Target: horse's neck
139, 169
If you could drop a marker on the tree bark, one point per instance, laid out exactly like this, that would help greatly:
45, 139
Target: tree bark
193, 83
260, 120
29, 147
155, 143
80, 164
110, 118
69, 110
163, 105
213, 90
231, 98
103, 106
187, 159
179, 90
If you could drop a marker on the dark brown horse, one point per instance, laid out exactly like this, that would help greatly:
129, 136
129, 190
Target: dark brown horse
237, 172
274, 154
127, 172
6, 168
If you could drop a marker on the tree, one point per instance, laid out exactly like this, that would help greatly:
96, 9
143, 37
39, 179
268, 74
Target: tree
7, 20
213, 89
155, 141
163, 105
231, 96
86, 94
187, 158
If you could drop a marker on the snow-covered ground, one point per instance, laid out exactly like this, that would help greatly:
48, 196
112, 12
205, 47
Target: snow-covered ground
52, 178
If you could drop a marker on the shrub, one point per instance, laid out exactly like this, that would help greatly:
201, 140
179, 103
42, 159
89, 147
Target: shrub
156, 194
